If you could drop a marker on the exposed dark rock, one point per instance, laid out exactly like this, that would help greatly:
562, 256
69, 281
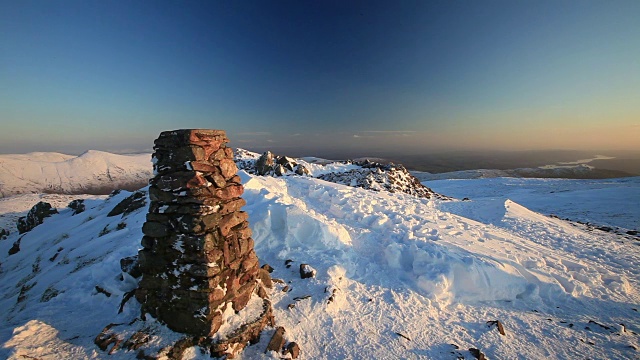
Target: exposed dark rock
264, 164
632, 232
306, 271
279, 170
15, 247
302, 170
77, 206
106, 338
4, 233
178, 349
381, 177
104, 231
605, 228
277, 341
270, 164
101, 290
136, 340
268, 268
264, 276
477, 354
498, 325
49, 294
131, 266
130, 204
35, 216
247, 333
293, 349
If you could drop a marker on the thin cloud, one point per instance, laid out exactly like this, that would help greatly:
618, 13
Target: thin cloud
374, 133
255, 133
390, 131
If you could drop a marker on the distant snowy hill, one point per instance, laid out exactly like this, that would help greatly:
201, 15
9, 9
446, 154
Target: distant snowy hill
398, 276
606, 202
576, 171
94, 172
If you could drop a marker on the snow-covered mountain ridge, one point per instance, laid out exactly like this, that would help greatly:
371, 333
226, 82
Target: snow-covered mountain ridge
413, 278
571, 171
93, 172
363, 174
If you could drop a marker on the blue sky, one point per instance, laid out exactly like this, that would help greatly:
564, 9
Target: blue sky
412, 76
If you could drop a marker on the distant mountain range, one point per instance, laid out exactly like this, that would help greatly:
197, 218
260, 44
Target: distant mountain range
579, 171
99, 173
93, 172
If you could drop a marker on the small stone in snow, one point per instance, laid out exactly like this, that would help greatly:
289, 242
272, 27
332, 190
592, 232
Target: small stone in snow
268, 268
287, 263
277, 341
293, 349
477, 353
306, 271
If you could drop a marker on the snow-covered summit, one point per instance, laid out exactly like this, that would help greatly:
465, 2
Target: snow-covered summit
398, 276
96, 172
366, 174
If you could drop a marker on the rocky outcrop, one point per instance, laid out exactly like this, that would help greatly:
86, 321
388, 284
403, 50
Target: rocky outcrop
381, 177
198, 260
270, 164
35, 216
77, 206
130, 204
365, 174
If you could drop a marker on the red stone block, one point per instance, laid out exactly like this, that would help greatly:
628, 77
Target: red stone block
228, 168
229, 192
203, 166
232, 206
229, 221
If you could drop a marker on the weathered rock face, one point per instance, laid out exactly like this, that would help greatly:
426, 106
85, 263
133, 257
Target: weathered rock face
77, 206
197, 258
270, 164
35, 217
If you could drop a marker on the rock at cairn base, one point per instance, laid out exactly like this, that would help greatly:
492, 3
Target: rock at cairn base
197, 259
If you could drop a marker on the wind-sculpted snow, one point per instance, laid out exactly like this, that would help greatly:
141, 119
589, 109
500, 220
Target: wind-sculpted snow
398, 276
94, 172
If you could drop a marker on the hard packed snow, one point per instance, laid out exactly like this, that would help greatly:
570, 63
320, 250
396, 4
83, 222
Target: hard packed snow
398, 276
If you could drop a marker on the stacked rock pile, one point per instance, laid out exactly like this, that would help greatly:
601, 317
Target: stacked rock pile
197, 258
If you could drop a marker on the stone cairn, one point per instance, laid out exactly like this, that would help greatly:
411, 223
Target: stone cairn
198, 258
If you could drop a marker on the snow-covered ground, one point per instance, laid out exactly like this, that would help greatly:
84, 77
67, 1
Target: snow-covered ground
408, 277
608, 202
96, 172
